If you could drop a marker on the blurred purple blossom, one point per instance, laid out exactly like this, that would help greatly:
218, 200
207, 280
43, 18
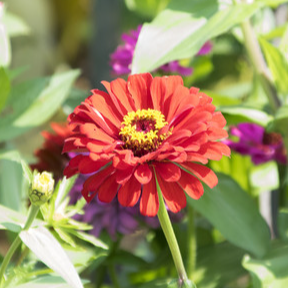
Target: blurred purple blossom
113, 217
121, 59
253, 140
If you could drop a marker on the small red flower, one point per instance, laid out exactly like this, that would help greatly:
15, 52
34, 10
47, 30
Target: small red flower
49, 156
141, 132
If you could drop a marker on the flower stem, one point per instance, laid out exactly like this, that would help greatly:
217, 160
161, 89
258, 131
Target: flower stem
170, 237
192, 243
259, 64
32, 214
113, 276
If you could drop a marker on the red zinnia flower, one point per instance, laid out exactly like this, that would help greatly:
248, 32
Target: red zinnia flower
141, 132
49, 156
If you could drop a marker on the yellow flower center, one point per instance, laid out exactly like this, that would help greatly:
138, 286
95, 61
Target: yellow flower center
141, 131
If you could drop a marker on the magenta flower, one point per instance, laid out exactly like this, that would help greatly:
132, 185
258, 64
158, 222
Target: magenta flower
121, 59
253, 140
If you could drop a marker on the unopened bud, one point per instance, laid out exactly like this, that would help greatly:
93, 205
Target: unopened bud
41, 188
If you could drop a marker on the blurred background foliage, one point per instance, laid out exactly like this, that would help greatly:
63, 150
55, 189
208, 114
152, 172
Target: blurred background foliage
76, 38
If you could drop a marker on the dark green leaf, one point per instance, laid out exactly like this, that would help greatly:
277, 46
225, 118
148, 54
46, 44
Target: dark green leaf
235, 215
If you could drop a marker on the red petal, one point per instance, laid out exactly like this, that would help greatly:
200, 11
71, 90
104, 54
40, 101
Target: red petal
139, 88
108, 190
143, 173
173, 194
128, 194
204, 173
119, 89
149, 203
87, 165
103, 102
169, 172
91, 185
214, 150
191, 185
158, 90
122, 176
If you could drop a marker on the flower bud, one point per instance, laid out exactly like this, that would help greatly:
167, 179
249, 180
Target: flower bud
41, 188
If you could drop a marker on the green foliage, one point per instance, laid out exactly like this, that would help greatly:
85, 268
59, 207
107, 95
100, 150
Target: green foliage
232, 211
190, 25
271, 271
278, 66
4, 87
33, 102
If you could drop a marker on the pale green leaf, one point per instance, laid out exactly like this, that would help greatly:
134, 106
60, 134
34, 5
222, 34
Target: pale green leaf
14, 221
264, 177
46, 282
250, 114
180, 30
34, 102
271, 271
277, 64
14, 25
234, 213
90, 238
43, 244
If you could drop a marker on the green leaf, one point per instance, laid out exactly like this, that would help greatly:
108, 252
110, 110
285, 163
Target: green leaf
234, 214
4, 88
270, 271
282, 223
90, 238
180, 30
280, 123
11, 181
13, 221
34, 102
209, 273
46, 282
146, 8
277, 64
264, 177
43, 244
14, 25
273, 3
250, 114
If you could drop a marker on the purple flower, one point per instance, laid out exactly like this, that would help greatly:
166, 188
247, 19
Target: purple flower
253, 140
113, 217
121, 59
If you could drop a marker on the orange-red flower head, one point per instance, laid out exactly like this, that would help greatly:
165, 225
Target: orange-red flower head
141, 132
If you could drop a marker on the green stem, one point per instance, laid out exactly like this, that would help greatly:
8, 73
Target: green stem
192, 243
170, 236
32, 214
259, 64
113, 276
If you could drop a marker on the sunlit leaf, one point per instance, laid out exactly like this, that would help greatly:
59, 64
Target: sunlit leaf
15, 26
33, 102
180, 30
250, 114
271, 271
277, 64
41, 242
264, 177
14, 221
